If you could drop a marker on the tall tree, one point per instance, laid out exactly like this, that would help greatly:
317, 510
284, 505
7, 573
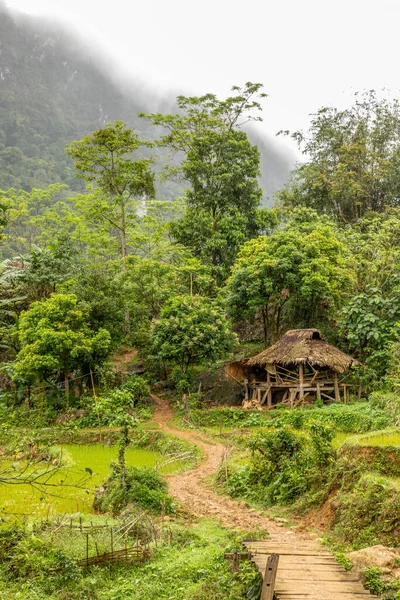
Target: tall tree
297, 277
221, 166
352, 160
191, 330
56, 340
105, 157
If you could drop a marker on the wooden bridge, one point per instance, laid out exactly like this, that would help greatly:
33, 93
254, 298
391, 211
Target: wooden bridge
294, 569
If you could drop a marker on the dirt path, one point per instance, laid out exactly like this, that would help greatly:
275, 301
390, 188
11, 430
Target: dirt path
191, 487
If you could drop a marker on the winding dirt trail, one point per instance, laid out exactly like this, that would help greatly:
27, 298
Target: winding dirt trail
307, 570
191, 488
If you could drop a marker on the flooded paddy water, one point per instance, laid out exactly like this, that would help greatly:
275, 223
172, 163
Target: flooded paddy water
77, 485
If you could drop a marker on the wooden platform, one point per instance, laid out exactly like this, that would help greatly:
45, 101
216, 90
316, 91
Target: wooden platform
306, 570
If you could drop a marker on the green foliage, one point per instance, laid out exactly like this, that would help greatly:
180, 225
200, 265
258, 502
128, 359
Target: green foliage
191, 330
33, 218
368, 324
367, 509
296, 277
149, 284
222, 167
121, 405
104, 157
357, 418
343, 560
373, 580
389, 404
353, 160
145, 488
285, 464
98, 288
55, 338
191, 567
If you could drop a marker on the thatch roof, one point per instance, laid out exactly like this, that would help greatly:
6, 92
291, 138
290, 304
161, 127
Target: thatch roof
303, 346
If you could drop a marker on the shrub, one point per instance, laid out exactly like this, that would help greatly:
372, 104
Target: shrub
357, 418
389, 403
285, 464
373, 580
145, 487
368, 513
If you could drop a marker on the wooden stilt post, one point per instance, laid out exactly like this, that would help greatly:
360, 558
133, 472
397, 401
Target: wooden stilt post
336, 386
269, 394
318, 391
268, 587
301, 379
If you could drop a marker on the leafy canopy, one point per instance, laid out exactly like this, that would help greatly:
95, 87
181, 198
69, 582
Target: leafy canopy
105, 157
221, 166
353, 160
296, 277
191, 330
55, 339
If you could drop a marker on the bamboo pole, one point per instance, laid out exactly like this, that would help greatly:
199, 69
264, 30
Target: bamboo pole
269, 394
301, 379
336, 386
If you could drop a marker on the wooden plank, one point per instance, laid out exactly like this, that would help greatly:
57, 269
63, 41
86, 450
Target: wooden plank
289, 552
287, 575
327, 568
307, 571
315, 586
268, 587
325, 593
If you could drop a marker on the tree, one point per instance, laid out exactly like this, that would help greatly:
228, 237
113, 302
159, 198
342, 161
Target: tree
191, 330
56, 341
119, 407
3, 220
104, 157
368, 321
221, 166
32, 218
353, 160
374, 241
296, 277
369, 325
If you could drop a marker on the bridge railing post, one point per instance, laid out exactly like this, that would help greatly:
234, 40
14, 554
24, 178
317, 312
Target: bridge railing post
268, 587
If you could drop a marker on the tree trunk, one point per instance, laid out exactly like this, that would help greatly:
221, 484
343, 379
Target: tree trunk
28, 396
265, 325
66, 388
123, 230
123, 444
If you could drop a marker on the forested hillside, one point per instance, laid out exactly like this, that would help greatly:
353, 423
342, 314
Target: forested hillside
54, 90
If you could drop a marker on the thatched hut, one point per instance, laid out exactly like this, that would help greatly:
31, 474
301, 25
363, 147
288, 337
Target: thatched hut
299, 367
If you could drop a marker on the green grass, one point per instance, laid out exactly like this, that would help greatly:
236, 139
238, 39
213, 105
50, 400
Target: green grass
25, 500
389, 437
189, 564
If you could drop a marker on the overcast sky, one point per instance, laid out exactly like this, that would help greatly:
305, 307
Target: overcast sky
307, 53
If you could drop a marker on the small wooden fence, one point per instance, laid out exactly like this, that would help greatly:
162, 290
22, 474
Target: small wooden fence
124, 556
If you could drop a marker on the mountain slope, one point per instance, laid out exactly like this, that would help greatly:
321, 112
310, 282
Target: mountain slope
52, 91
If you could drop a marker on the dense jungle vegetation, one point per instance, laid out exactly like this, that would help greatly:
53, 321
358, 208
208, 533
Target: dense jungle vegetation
113, 286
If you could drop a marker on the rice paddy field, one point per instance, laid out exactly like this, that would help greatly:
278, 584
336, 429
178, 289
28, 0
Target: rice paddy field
24, 501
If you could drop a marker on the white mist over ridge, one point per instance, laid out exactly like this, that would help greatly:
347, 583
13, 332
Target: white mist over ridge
307, 54
67, 86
